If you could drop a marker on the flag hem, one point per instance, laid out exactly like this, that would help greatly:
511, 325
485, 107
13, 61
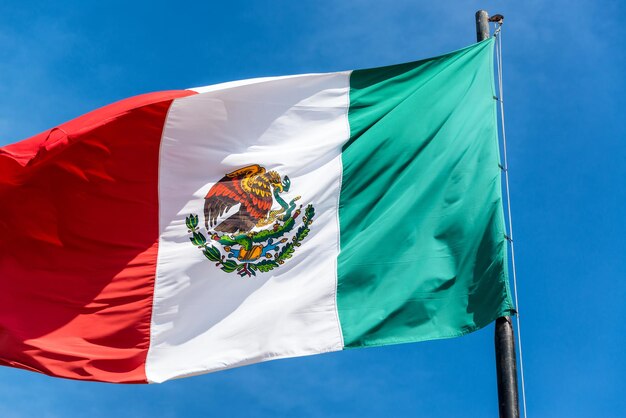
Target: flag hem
249, 362
504, 312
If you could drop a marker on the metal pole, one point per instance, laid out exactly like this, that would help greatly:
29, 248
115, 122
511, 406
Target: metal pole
482, 25
506, 368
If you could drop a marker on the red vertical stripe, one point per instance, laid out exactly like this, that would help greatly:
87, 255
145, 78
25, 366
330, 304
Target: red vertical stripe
78, 243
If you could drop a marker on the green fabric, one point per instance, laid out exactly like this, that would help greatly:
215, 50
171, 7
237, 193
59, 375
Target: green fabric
423, 249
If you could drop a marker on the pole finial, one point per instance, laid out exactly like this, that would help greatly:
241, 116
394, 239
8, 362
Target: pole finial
497, 18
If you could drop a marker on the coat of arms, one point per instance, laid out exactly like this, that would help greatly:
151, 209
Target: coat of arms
255, 237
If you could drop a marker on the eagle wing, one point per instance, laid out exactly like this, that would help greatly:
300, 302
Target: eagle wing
228, 192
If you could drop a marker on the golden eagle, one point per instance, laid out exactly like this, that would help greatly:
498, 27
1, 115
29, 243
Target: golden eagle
251, 187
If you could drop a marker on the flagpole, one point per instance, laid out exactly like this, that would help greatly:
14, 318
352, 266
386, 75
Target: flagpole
506, 368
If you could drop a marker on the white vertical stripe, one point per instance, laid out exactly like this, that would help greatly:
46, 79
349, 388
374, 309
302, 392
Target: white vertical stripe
203, 318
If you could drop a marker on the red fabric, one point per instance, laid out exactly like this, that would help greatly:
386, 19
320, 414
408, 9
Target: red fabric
78, 243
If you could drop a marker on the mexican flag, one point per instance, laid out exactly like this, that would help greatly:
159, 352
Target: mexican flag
185, 232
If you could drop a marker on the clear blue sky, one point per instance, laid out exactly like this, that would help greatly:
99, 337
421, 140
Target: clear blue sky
565, 93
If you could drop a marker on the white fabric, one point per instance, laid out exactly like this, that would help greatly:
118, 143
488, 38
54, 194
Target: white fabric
203, 318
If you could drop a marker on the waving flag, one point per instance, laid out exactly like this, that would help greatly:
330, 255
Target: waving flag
185, 232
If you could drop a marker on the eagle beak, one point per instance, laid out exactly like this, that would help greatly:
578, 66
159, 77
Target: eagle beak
279, 186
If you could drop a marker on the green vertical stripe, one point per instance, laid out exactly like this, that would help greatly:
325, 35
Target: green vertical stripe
423, 251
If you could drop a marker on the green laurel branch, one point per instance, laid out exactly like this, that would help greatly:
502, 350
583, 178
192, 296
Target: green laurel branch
213, 254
